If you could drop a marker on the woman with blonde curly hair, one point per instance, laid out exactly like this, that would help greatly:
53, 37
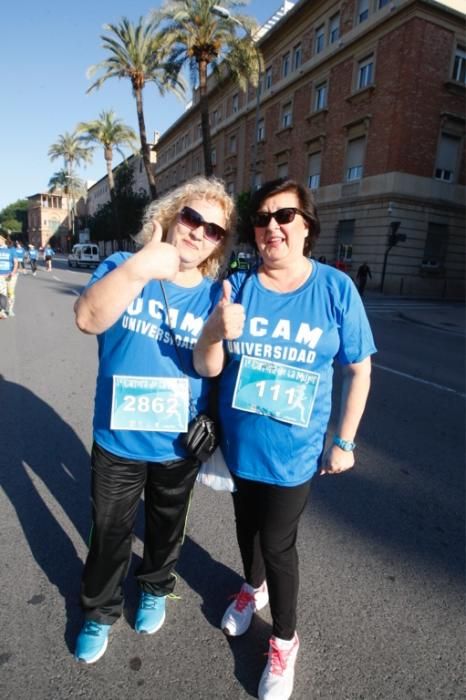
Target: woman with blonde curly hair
139, 305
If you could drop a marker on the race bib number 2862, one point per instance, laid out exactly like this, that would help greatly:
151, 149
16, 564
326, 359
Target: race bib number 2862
150, 403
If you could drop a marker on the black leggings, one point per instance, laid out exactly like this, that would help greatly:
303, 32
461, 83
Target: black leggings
117, 486
267, 519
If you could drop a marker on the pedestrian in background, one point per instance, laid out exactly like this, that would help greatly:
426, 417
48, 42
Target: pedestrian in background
33, 256
142, 400
301, 315
19, 252
48, 255
362, 274
8, 277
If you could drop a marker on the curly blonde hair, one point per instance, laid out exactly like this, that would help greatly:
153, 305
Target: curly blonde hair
166, 209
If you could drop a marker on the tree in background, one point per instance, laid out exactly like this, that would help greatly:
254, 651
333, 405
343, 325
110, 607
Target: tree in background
13, 218
138, 52
74, 153
69, 185
131, 207
111, 133
204, 40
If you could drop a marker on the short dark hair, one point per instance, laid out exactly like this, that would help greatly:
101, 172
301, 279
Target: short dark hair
306, 204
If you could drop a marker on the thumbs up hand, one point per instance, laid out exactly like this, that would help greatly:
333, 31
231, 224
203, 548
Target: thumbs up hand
227, 320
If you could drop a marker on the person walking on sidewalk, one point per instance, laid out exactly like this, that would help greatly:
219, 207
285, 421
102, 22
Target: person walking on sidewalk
145, 387
301, 315
362, 274
8, 277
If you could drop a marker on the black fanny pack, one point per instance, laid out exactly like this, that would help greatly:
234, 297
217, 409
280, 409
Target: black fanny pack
201, 439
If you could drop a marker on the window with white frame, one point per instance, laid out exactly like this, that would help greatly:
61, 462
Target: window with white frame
285, 64
268, 78
235, 103
320, 96
232, 143
319, 39
282, 170
261, 130
436, 245
314, 171
459, 67
334, 29
297, 56
355, 159
363, 10
287, 115
447, 157
365, 72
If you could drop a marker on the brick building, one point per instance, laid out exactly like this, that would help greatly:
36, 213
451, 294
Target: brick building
48, 217
364, 100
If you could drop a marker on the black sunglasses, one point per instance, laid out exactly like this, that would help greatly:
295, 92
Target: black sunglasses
192, 219
281, 216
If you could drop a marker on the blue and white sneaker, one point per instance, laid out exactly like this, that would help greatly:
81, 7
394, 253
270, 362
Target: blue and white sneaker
150, 614
91, 642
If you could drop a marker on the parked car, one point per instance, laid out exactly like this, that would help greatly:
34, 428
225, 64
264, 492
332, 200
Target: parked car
84, 255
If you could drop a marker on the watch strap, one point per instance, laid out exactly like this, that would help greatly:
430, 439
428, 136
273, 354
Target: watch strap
345, 445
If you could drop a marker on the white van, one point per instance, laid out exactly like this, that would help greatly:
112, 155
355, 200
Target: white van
84, 255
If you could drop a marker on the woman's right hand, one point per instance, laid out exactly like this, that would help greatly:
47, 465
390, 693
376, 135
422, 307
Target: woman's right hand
161, 260
227, 320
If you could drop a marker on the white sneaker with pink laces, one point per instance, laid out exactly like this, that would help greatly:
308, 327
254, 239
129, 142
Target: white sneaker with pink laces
238, 615
278, 676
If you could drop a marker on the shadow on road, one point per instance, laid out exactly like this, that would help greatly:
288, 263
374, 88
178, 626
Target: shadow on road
45, 471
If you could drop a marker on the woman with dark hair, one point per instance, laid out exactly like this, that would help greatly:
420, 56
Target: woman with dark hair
146, 390
274, 335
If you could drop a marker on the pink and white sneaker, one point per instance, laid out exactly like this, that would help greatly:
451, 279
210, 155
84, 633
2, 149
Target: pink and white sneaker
278, 676
238, 615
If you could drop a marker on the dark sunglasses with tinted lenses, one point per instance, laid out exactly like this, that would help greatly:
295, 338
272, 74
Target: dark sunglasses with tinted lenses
192, 219
281, 216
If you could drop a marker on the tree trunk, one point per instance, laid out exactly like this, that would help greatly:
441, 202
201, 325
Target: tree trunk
113, 198
145, 149
205, 124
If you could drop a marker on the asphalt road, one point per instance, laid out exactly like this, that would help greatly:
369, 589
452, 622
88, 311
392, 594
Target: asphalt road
382, 548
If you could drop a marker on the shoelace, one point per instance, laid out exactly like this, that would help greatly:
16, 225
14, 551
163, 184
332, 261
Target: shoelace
93, 628
243, 598
278, 658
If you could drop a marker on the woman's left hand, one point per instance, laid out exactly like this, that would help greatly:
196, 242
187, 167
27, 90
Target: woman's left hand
336, 461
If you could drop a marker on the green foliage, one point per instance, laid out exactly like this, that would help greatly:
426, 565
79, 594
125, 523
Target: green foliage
131, 206
14, 217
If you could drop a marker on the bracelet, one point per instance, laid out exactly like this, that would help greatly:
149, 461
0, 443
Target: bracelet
345, 445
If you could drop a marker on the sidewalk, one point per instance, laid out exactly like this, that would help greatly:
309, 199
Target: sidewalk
443, 315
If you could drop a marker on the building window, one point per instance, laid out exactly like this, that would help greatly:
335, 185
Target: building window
447, 158
435, 249
261, 130
285, 64
355, 159
287, 115
282, 170
257, 181
459, 68
231, 188
297, 57
363, 10
382, 3
334, 29
213, 156
268, 78
320, 96
232, 144
345, 234
314, 171
320, 39
365, 72
235, 103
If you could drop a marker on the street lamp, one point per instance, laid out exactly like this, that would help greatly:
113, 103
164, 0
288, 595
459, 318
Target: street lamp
226, 14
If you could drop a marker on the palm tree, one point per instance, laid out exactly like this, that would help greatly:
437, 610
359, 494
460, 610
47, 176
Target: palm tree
74, 152
111, 133
62, 181
138, 52
203, 39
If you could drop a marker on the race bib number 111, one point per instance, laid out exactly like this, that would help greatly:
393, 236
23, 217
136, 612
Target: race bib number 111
277, 390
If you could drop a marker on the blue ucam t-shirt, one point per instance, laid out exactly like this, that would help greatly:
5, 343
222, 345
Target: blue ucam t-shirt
139, 347
7, 260
276, 389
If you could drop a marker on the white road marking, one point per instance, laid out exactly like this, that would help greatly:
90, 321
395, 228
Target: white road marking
418, 379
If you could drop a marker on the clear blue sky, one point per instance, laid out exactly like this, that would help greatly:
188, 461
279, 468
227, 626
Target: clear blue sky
45, 51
